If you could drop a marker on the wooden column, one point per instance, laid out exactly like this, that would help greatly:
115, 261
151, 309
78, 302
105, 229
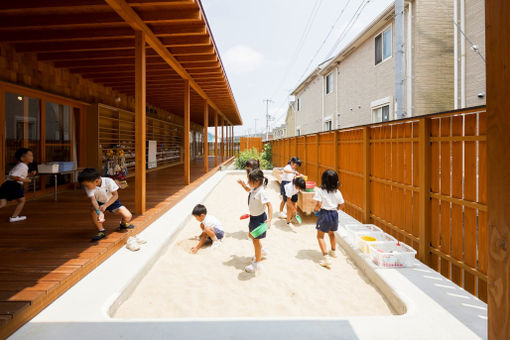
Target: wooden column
215, 138
424, 183
140, 121
187, 108
222, 139
317, 154
497, 49
366, 175
335, 151
205, 139
227, 142
305, 158
2, 132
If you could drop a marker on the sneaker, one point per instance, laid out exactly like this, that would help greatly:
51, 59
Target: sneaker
215, 244
17, 218
332, 253
290, 224
326, 262
139, 240
254, 267
132, 245
126, 226
263, 255
99, 235
282, 215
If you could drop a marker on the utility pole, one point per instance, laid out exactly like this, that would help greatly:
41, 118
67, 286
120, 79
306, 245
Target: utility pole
255, 119
267, 101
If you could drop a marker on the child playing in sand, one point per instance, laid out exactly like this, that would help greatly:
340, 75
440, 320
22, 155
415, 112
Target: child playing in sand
329, 200
211, 228
258, 201
103, 195
291, 196
289, 172
251, 164
12, 188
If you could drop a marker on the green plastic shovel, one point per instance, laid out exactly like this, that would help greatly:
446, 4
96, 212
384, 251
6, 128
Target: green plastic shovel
259, 230
299, 219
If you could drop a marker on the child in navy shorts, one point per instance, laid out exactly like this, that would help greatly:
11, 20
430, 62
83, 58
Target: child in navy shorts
257, 203
290, 196
12, 188
104, 196
329, 200
211, 228
289, 172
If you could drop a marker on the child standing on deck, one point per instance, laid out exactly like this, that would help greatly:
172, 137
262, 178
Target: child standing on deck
12, 188
289, 172
291, 196
251, 164
329, 201
103, 195
257, 202
211, 228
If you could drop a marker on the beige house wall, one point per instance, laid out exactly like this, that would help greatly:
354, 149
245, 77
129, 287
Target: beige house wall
475, 66
290, 121
309, 117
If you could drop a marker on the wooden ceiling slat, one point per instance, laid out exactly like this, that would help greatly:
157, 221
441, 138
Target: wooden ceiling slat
26, 6
192, 50
153, 60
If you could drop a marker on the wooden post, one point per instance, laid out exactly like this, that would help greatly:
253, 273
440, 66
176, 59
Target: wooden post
222, 139
187, 108
305, 159
2, 132
317, 154
497, 50
335, 151
215, 138
227, 141
424, 181
366, 175
140, 121
205, 139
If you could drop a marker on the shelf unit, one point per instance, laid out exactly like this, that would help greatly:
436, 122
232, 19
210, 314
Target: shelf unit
116, 130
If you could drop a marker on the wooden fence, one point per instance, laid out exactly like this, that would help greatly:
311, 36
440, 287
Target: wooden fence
422, 180
250, 143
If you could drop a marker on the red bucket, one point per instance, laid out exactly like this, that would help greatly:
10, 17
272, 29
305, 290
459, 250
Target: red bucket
310, 184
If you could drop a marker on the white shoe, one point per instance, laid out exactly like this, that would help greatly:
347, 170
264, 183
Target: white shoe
332, 253
132, 244
290, 224
216, 244
263, 255
253, 267
140, 240
326, 262
282, 215
17, 218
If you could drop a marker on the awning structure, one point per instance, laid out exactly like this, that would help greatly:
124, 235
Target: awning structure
96, 39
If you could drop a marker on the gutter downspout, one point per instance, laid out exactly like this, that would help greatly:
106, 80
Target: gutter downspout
455, 55
462, 54
409, 61
399, 59
336, 119
323, 95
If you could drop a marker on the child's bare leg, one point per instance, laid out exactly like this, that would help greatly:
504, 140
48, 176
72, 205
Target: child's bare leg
3, 203
282, 205
258, 249
125, 214
210, 232
332, 240
98, 224
290, 210
322, 244
19, 206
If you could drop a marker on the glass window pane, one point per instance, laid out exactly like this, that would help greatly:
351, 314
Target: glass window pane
385, 113
387, 43
378, 49
58, 132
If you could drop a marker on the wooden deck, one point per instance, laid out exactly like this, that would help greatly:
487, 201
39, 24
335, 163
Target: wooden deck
42, 257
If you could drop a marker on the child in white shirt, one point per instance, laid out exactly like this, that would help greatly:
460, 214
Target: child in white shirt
103, 195
329, 201
12, 188
289, 172
251, 164
291, 196
211, 228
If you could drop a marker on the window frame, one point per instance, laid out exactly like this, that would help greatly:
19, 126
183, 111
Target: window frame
330, 89
381, 34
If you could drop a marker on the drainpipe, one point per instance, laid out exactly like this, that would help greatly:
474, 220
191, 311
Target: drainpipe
399, 58
462, 54
322, 102
335, 119
455, 55
409, 61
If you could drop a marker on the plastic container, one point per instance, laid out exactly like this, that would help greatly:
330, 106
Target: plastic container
354, 229
65, 166
392, 255
365, 239
48, 168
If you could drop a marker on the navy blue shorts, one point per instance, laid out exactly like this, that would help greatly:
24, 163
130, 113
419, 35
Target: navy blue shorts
294, 198
255, 221
114, 206
11, 190
219, 233
328, 220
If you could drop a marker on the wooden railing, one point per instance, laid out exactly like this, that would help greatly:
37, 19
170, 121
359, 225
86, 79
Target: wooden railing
422, 180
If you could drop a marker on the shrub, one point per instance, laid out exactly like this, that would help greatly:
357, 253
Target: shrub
267, 154
253, 153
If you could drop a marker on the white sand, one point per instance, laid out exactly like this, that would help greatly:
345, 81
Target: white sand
213, 282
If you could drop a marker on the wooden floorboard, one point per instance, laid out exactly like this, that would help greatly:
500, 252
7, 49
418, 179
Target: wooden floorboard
42, 257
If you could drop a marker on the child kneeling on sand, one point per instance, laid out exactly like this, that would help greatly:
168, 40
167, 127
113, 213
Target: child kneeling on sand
103, 195
257, 203
211, 228
329, 200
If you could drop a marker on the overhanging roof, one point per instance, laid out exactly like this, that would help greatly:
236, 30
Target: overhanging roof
95, 39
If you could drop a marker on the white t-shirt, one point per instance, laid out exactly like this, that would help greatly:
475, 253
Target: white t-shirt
329, 200
290, 189
288, 176
258, 200
104, 192
212, 222
19, 170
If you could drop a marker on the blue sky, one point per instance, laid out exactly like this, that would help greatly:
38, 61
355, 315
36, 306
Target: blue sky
267, 47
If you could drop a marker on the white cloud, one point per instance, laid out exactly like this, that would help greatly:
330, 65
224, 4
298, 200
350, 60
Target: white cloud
242, 59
